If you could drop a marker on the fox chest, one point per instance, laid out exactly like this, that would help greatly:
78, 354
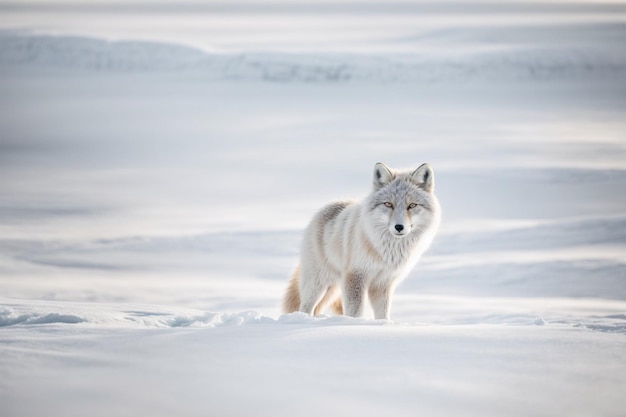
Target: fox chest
359, 253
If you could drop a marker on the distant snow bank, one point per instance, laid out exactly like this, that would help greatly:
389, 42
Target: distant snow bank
509, 64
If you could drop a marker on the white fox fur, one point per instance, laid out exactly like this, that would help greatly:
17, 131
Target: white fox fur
351, 250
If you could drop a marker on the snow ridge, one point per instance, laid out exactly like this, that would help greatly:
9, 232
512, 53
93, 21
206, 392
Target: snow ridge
110, 316
518, 64
252, 317
9, 318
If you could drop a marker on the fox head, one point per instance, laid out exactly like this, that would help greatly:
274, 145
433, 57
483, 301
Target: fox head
402, 202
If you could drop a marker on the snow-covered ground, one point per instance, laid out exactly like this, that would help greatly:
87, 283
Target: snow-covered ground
159, 161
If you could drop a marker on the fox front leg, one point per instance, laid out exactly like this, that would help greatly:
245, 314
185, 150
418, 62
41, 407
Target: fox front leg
353, 294
380, 298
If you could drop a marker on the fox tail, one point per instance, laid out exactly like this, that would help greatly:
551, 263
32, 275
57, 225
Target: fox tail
291, 301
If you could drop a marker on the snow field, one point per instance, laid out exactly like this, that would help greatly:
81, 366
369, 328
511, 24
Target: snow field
158, 164
305, 365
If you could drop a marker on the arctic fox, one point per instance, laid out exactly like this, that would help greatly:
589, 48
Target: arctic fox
352, 250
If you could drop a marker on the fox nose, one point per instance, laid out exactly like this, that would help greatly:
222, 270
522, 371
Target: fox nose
399, 227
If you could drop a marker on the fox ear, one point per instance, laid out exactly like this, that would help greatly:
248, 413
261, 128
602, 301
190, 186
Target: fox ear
424, 177
382, 175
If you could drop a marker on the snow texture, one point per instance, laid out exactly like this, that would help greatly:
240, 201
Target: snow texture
159, 162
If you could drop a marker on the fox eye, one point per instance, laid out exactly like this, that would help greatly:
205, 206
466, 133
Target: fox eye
412, 206
388, 204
